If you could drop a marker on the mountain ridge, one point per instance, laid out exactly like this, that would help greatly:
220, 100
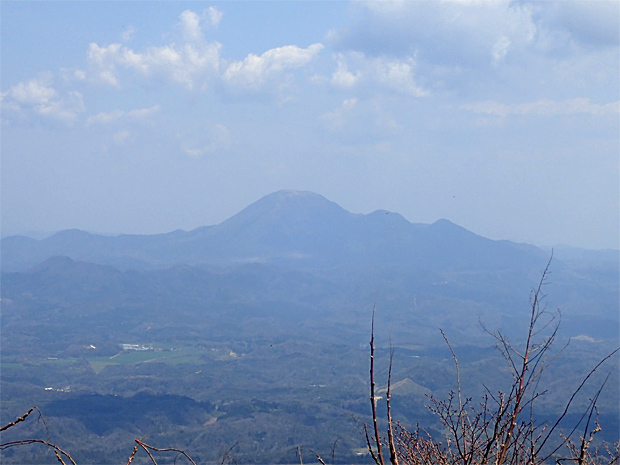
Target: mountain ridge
287, 228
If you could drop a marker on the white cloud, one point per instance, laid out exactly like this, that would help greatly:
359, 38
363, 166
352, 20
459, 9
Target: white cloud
7, 104
356, 69
144, 113
33, 92
398, 75
72, 75
79, 75
449, 33
545, 108
552, 49
140, 114
342, 77
104, 60
190, 64
214, 15
39, 96
500, 49
66, 108
335, 120
105, 118
254, 71
196, 63
190, 25
127, 34
190, 22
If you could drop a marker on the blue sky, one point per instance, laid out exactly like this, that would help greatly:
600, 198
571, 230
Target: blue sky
145, 117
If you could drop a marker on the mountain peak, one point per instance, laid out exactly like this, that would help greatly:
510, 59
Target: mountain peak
293, 193
288, 205
444, 226
295, 198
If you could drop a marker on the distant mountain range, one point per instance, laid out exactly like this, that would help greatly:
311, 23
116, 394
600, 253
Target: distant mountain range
260, 324
300, 248
291, 229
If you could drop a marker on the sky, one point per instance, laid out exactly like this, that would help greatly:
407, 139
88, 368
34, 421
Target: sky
145, 117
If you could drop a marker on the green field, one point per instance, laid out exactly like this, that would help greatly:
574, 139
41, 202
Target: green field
164, 353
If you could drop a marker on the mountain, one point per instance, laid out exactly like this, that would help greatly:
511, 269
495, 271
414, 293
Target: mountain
286, 228
254, 332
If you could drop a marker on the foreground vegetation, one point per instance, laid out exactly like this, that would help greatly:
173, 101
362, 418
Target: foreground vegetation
502, 428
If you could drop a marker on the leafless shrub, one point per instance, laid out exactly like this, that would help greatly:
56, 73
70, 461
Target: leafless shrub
500, 428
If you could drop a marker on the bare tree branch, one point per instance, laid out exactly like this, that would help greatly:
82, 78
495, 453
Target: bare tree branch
390, 432
23, 442
373, 400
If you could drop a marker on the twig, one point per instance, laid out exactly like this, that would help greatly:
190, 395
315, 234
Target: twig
24, 442
133, 454
227, 454
318, 457
334, 449
570, 401
373, 401
22, 418
388, 396
146, 447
